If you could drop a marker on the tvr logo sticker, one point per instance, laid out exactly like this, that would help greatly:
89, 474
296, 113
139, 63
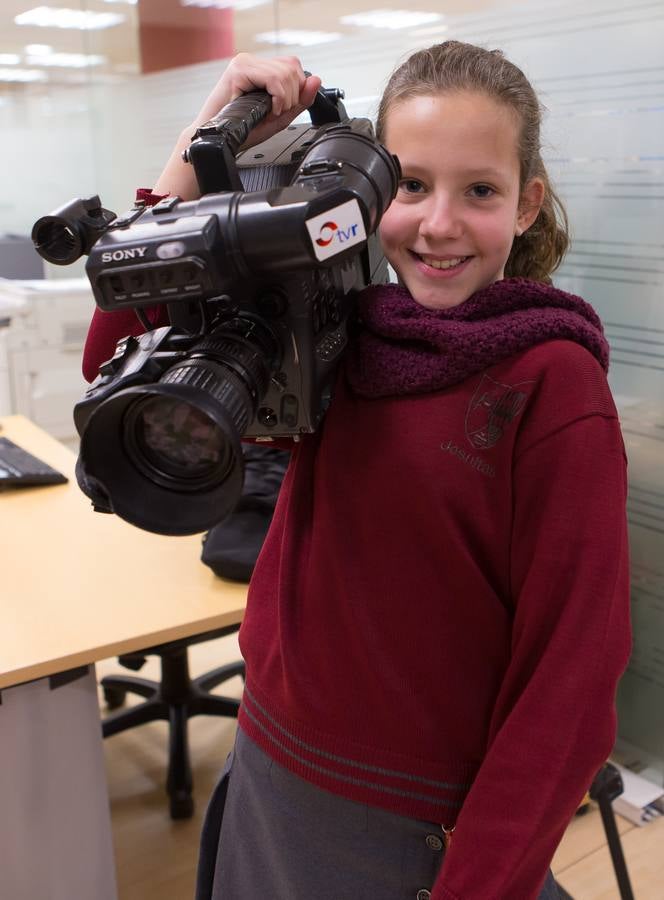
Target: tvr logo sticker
330, 231
336, 230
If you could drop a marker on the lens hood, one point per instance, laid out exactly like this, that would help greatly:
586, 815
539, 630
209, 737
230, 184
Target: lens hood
162, 498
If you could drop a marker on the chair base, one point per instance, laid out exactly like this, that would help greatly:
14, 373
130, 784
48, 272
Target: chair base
606, 786
175, 699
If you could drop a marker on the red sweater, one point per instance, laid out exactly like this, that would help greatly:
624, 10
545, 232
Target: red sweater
439, 615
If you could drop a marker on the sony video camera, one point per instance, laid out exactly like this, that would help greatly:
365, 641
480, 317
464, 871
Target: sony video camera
258, 278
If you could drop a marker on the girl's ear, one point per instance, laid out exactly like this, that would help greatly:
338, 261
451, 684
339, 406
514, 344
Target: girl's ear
530, 204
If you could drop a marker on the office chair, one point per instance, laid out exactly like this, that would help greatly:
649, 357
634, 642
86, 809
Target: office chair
606, 786
230, 549
176, 698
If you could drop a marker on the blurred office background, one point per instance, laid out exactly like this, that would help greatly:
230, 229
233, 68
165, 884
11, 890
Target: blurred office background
93, 94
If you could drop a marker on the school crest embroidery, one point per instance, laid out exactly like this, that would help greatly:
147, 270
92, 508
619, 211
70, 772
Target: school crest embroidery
492, 408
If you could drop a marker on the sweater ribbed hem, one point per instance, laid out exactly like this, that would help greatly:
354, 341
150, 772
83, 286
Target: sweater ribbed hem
386, 780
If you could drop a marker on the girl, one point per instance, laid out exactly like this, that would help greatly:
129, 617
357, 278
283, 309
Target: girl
439, 615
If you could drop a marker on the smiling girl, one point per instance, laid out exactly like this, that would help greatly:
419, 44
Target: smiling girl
439, 615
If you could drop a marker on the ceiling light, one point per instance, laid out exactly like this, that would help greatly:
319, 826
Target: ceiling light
288, 37
128, 2
237, 5
394, 19
66, 60
58, 17
9, 59
22, 75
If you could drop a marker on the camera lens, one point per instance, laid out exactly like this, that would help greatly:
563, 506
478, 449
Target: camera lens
168, 457
178, 440
168, 454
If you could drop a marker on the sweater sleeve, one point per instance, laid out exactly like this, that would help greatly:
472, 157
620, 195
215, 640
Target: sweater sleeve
553, 724
107, 328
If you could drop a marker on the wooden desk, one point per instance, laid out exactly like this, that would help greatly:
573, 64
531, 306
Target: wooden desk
90, 585
76, 586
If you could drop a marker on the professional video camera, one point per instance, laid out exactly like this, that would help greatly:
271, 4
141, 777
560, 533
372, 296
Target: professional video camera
258, 278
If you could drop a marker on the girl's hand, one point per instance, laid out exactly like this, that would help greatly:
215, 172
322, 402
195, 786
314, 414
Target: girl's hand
282, 77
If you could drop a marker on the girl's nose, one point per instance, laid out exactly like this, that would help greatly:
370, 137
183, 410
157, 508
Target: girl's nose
440, 219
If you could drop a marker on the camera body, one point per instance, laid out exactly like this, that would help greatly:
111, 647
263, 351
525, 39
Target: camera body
257, 280
299, 318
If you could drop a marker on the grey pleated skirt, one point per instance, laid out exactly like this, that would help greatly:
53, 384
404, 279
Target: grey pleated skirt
270, 835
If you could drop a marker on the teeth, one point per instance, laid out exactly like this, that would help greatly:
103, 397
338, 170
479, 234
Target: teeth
444, 263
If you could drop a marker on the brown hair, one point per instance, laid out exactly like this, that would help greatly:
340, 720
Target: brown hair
455, 66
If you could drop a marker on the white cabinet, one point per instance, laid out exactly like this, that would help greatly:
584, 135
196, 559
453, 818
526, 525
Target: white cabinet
43, 325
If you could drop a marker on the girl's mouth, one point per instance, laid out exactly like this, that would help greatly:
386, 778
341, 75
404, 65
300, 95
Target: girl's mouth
452, 264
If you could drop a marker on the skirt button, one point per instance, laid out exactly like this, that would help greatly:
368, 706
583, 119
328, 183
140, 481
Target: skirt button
434, 842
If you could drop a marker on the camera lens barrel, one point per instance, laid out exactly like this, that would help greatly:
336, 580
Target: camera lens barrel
168, 454
221, 383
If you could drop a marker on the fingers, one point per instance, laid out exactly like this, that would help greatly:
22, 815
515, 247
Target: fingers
274, 123
282, 77
304, 100
309, 91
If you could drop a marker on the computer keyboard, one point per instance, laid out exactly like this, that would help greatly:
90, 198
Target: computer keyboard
18, 467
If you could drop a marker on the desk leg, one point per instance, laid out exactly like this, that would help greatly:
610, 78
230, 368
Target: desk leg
55, 824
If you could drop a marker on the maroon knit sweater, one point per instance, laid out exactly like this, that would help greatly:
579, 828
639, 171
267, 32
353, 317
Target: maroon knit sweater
439, 616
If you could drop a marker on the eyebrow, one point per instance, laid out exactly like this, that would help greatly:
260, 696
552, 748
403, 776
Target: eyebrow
479, 174
483, 173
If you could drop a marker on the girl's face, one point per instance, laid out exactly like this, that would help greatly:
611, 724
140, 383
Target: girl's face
450, 229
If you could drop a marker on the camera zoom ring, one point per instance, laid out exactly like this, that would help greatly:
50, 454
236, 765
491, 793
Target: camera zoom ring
219, 383
241, 356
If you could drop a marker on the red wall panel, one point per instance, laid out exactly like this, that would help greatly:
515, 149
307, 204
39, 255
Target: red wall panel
172, 35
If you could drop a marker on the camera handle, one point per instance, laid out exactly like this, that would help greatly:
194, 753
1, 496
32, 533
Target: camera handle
214, 146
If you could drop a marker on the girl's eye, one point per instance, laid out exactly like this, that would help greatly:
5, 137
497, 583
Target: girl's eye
411, 186
482, 191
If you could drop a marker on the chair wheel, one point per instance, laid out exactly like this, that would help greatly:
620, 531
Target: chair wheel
113, 696
182, 805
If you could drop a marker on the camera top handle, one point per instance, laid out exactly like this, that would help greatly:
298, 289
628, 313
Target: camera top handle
216, 143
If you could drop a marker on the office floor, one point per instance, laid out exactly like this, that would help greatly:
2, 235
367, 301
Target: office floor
156, 857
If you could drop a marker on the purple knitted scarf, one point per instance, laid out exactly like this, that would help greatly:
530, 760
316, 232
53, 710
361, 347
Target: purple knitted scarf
405, 348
